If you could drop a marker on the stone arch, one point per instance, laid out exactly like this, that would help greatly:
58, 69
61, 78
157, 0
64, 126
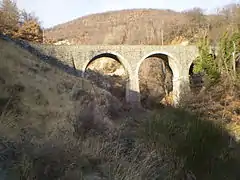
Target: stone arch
111, 82
170, 62
195, 80
112, 55
238, 62
191, 68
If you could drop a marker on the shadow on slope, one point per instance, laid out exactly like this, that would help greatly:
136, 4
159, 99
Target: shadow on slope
170, 144
200, 149
43, 57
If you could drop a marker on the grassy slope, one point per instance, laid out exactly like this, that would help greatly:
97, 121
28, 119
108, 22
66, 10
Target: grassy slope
41, 133
38, 90
42, 110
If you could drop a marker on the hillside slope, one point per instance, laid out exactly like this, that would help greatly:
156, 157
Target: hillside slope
40, 105
54, 126
25, 84
138, 26
42, 91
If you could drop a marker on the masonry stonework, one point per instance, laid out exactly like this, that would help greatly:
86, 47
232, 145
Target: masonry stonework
180, 59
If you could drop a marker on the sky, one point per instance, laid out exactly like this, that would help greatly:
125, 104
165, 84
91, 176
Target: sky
53, 12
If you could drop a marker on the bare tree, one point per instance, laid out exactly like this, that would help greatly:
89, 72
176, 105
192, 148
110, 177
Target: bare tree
25, 16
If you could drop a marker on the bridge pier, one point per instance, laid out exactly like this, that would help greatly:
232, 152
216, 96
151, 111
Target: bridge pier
181, 89
133, 96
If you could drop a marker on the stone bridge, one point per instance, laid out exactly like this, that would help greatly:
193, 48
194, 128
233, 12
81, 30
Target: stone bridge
131, 57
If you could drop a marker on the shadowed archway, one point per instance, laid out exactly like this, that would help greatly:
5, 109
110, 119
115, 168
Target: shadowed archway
155, 78
195, 80
109, 71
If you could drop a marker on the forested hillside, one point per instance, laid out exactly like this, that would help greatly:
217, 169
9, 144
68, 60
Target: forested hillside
146, 26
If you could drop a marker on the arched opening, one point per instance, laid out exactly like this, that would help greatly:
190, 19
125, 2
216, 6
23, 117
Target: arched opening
237, 64
107, 71
195, 80
155, 81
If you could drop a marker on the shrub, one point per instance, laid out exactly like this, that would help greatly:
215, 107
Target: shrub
31, 31
19, 24
229, 48
224, 63
206, 63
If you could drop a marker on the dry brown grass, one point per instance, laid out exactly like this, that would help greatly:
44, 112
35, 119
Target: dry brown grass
219, 102
26, 81
36, 107
55, 126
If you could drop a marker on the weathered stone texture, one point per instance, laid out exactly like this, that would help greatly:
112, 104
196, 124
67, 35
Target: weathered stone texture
131, 57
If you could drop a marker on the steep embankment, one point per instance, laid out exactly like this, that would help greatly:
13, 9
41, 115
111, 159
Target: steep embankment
41, 92
40, 103
34, 88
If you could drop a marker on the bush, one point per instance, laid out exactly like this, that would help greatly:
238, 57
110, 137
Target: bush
206, 63
31, 31
19, 24
224, 64
229, 48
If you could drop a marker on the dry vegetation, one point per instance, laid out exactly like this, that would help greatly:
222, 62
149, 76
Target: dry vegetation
70, 129
121, 27
145, 26
55, 126
19, 23
37, 115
